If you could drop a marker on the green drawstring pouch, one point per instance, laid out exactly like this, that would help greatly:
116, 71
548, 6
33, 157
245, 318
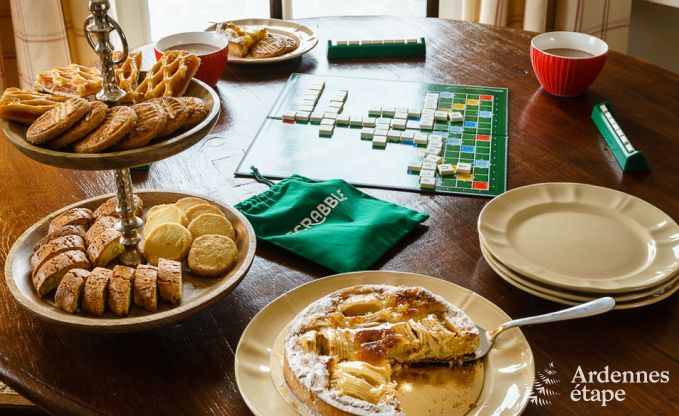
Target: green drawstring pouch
331, 222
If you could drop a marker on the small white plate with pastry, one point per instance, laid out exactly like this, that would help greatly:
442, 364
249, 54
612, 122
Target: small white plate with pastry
261, 41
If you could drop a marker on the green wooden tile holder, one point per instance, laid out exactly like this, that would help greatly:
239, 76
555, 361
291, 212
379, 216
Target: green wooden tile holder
376, 49
629, 159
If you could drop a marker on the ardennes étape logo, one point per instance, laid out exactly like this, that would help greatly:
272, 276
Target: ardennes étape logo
319, 214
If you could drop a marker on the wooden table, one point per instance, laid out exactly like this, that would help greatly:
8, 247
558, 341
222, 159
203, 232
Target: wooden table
188, 368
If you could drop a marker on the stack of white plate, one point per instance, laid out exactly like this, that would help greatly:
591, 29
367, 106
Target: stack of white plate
571, 243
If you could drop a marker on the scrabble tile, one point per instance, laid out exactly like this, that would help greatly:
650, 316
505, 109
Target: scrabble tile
313, 91
388, 111
456, 116
398, 123
302, 116
380, 141
435, 138
320, 85
415, 166
307, 108
341, 43
401, 110
428, 165
354, 42
338, 105
330, 114
401, 115
412, 40
342, 119
355, 121
394, 135
381, 132
289, 115
603, 108
433, 150
326, 130
421, 138
375, 111
427, 182
408, 136
427, 172
311, 97
369, 122
446, 169
433, 159
316, 117
426, 125
463, 168
427, 112
440, 116
413, 113
311, 103
327, 122
413, 124
367, 133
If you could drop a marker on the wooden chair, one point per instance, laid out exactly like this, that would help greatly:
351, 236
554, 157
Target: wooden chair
276, 8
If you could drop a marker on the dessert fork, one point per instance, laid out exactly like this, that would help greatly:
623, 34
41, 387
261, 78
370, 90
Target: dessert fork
595, 307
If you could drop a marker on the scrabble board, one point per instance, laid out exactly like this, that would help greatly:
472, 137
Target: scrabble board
385, 134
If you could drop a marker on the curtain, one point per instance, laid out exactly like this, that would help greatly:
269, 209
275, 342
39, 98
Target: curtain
606, 19
36, 35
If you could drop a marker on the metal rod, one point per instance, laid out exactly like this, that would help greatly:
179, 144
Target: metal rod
129, 223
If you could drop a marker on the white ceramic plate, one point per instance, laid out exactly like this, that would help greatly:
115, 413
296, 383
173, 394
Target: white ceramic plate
509, 367
305, 38
581, 237
513, 279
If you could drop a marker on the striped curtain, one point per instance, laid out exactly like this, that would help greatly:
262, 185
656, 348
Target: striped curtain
606, 19
36, 35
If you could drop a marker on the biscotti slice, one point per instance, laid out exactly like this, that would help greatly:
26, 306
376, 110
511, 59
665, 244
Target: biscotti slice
49, 275
120, 290
70, 290
73, 216
100, 225
109, 207
94, 295
105, 247
78, 230
170, 280
145, 292
54, 247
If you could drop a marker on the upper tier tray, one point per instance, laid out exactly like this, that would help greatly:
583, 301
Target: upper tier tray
16, 133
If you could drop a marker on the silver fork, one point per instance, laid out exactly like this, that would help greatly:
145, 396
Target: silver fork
594, 307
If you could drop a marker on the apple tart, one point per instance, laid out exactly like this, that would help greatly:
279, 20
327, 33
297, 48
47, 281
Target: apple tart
342, 351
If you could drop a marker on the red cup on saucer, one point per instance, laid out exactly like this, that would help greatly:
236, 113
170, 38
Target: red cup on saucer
211, 48
566, 63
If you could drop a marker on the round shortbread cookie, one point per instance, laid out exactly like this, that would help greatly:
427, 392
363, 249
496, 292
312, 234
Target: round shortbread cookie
211, 224
151, 121
177, 114
197, 210
212, 255
185, 203
167, 213
197, 108
118, 122
91, 121
57, 120
170, 241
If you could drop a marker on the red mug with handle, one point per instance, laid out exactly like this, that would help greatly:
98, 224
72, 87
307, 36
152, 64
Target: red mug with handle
211, 48
566, 63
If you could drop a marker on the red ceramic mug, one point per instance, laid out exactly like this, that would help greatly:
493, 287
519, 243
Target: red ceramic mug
566, 63
211, 48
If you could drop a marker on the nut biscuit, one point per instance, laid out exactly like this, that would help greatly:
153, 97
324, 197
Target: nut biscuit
269, 47
198, 109
118, 122
211, 224
212, 255
73, 216
151, 120
145, 288
176, 112
170, 280
92, 120
105, 247
120, 290
25, 106
197, 210
290, 44
185, 203
161, 214
57, 120
54, 247
95, 292
170, 241
109, 207
70, 290
78, 230
49, 275
99, 226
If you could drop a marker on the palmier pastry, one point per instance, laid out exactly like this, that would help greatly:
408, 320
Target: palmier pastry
151, 120
168, 77
25, 106
341, 351
118, 122
92, 120
177, 114
57, 120
197, 108
74, 80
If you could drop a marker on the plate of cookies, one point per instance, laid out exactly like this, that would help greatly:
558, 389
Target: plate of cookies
58, 122
66, 267
260, 41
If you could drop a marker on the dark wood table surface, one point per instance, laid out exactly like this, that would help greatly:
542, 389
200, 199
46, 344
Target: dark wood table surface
188, 368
